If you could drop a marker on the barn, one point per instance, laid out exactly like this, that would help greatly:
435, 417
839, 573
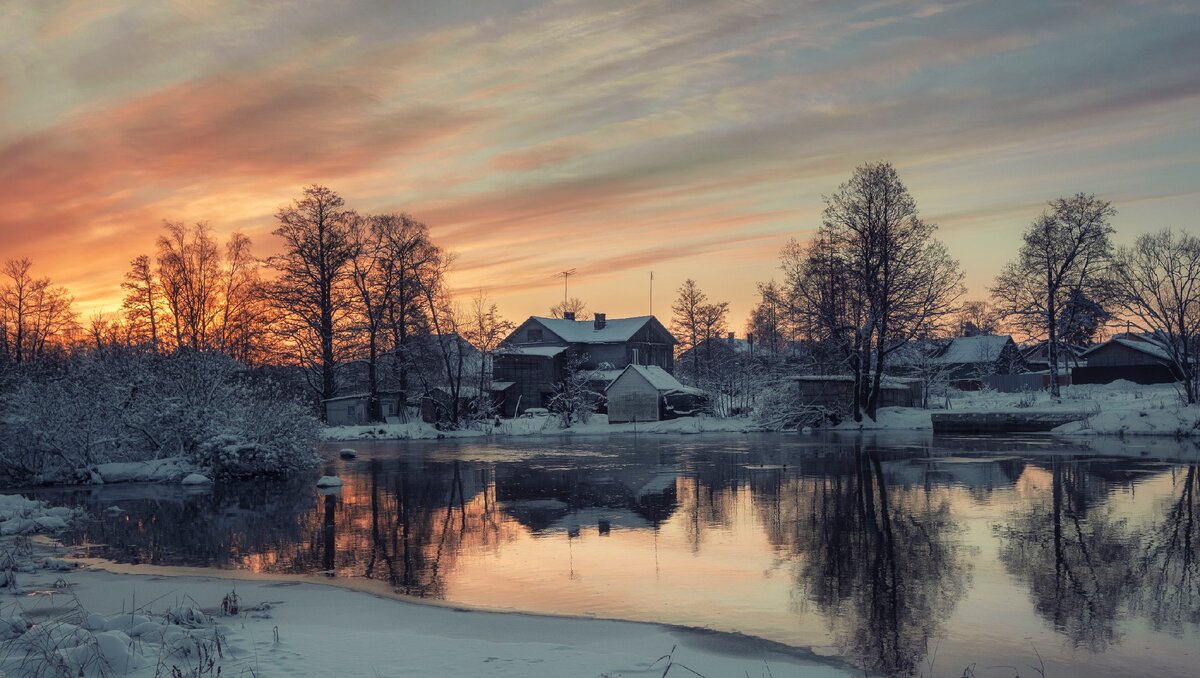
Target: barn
642, 393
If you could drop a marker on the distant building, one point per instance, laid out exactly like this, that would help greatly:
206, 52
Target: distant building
1126, 357
354, 409
835, 392
534, 356
1037, 357
971, 358
650, 393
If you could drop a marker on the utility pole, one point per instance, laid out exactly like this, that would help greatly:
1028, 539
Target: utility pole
565, 275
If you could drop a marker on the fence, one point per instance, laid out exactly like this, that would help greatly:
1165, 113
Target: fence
1011, 383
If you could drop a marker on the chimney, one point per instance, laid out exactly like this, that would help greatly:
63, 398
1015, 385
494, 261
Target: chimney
568, 315
731, 338
600, 322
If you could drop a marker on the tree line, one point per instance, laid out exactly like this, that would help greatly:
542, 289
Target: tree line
874, 279
363, 297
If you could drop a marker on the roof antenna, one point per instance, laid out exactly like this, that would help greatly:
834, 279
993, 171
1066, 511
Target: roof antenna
565, 275
651, 293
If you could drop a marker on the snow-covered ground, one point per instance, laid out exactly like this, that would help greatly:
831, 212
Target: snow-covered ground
1120, 408
59, 620
531, 426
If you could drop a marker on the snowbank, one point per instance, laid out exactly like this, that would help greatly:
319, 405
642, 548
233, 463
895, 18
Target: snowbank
532, 426
288, 628
1178, 421
157, 471
60, 620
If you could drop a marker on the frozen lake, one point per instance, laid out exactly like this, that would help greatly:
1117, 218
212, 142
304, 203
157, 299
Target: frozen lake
901, 553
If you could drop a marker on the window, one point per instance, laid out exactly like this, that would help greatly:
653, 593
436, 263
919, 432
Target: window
535, 335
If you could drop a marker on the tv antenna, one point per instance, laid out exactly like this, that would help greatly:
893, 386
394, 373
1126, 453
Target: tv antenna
651, 293
565, 276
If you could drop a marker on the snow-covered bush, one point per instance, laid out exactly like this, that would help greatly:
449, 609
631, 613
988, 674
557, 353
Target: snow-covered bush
203, 407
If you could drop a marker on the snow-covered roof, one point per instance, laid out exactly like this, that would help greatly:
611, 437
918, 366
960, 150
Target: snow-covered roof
542, 351
585, 332
660, 379
983, 348
1152, 350
608, 376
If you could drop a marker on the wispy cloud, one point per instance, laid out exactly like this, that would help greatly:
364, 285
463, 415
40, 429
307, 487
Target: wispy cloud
613, 137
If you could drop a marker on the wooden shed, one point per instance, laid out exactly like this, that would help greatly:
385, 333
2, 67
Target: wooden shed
353, 410
641, 392
1126, 357
836, 391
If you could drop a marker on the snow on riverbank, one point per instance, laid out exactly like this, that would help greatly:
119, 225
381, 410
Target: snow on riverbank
59, 620
1121, 408
532, 426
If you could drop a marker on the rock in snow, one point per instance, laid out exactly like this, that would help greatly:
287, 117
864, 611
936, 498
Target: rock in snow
329, 481
195, 479
348, 453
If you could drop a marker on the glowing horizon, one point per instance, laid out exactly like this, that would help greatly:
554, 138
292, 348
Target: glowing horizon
688, 138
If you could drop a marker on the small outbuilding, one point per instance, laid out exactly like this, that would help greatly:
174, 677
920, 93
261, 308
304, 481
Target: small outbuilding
353, 410
649, 393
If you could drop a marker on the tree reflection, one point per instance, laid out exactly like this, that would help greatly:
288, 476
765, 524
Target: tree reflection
883, 565
1168, 562
1075, 556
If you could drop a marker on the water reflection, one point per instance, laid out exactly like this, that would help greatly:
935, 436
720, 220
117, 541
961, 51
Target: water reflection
881, 549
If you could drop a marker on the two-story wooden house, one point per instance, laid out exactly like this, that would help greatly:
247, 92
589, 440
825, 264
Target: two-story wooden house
533, 358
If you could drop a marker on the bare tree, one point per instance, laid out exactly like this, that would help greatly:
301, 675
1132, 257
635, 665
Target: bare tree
573, 305
976, 318
189, 271
874, 278
33, 313
407, 260
766, 323
369, 271
485, 328
312, 291
241, 319
1066, 252
143, 306
1156, 285
695, 321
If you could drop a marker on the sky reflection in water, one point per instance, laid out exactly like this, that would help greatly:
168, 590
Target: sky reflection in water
906, 554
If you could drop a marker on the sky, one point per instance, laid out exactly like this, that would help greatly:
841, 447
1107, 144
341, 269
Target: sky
616, 138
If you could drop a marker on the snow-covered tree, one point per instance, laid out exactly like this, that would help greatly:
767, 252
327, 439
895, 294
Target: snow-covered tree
574, 400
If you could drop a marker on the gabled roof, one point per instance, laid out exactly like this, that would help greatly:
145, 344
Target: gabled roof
615, 330
983, 348
1150, 349
659, 378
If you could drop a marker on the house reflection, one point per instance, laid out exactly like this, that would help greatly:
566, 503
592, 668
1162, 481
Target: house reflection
870, 533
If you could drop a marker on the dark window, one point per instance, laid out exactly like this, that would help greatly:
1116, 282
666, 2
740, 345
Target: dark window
535, 335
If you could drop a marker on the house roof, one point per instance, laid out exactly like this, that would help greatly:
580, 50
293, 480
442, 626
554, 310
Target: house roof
984, 348
542, 351
1150, 349
659, 378
615, 330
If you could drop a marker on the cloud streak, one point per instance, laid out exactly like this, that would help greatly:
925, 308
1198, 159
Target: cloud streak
615, 137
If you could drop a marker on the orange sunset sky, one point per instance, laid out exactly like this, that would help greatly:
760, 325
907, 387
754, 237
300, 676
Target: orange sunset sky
688, 138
